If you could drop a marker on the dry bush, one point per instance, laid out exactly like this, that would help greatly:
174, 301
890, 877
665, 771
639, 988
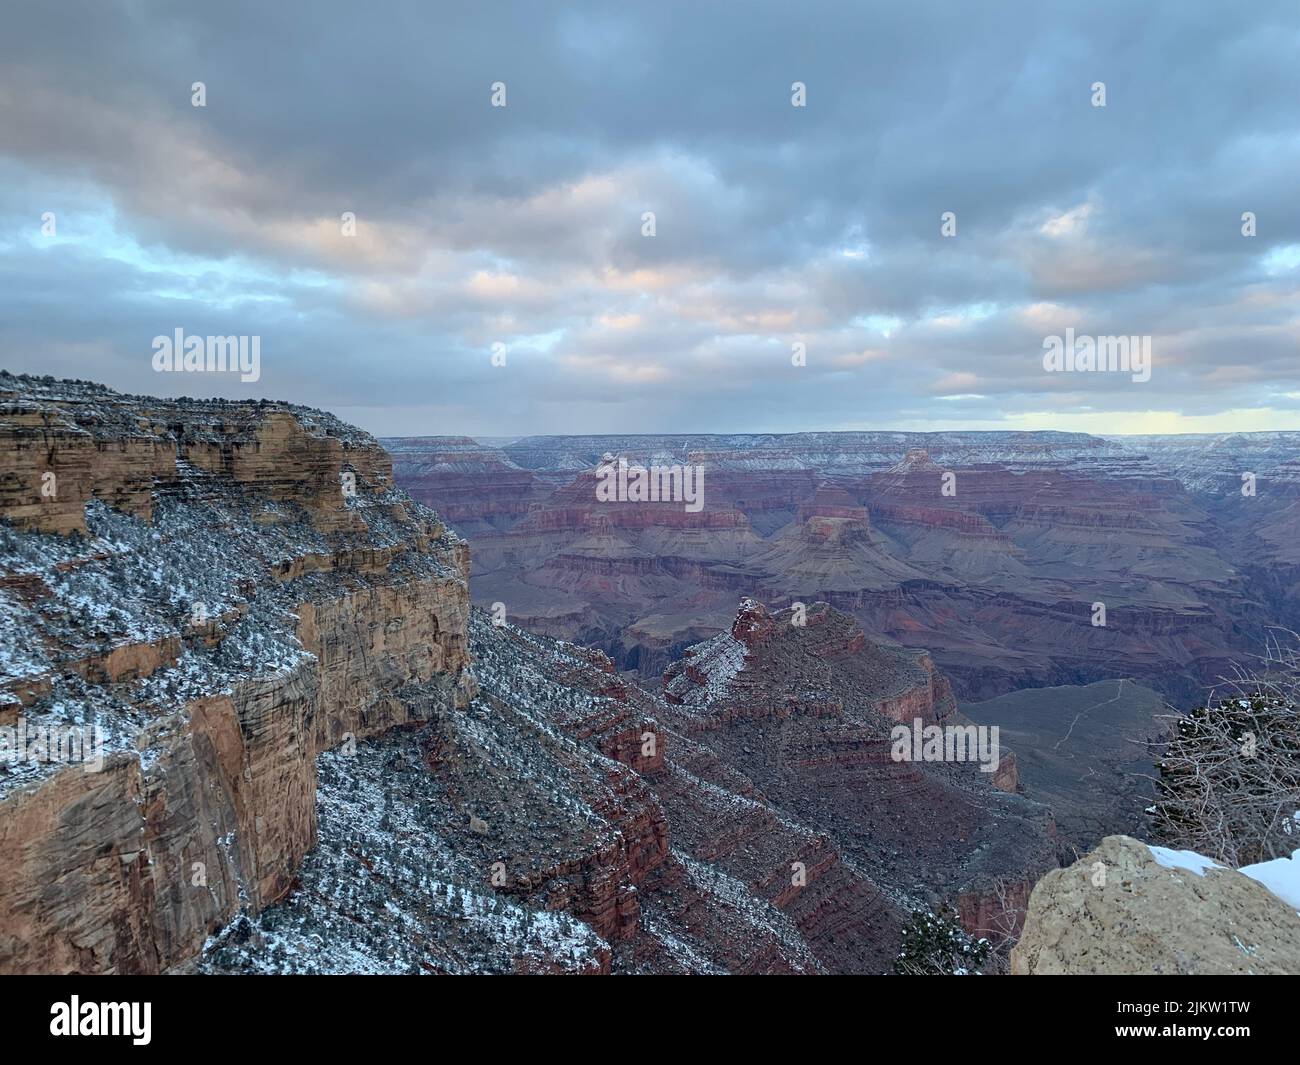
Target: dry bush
1229, 780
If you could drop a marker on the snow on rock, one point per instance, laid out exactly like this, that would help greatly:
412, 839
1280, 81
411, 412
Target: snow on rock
1128, 908
1189, 860
1281, 876
217, 591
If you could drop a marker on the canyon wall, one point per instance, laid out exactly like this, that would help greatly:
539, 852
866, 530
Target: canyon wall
572, 821
991, 550
217, 592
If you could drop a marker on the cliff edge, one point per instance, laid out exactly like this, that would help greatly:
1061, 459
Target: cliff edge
200, 598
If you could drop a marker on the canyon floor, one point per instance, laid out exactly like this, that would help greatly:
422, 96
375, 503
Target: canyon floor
1084, 751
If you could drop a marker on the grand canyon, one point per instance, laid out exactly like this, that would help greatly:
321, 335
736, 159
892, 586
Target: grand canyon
322, 748
997, 578
646, 490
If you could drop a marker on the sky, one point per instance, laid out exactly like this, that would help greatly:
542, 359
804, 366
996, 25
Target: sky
127, 212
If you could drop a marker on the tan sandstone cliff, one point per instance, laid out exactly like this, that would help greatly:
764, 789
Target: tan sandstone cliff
224, 590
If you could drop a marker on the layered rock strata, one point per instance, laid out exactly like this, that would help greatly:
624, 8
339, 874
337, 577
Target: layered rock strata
211, 594
990, 550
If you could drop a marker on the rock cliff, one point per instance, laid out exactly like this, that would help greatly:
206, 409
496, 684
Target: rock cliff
572, 821
210, 594
804, 706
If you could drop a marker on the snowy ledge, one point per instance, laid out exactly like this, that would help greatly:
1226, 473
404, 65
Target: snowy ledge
1281, 876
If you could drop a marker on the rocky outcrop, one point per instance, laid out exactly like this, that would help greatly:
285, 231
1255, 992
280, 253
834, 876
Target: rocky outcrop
211, 594
1125, 909
572, 821
802, 704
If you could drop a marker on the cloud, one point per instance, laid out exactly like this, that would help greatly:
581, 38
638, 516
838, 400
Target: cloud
523, 226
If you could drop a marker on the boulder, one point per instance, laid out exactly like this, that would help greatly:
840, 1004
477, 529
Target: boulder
1122, 910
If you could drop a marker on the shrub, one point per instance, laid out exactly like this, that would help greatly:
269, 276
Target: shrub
937, 945
1229, 780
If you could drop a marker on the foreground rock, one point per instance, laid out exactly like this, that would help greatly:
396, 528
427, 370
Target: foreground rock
1119, 910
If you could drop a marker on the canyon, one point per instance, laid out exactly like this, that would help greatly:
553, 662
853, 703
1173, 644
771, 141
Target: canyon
670, 753
1017, 559
572, 821
317, 756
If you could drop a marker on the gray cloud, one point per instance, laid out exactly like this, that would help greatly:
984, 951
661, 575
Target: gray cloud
775, 225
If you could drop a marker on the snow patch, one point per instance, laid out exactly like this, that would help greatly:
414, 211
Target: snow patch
1189, 860
1281, 876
